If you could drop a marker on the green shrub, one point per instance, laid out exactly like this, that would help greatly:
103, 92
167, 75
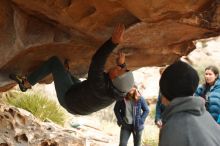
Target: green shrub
40, 106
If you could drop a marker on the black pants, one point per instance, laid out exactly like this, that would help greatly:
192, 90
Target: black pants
62, 78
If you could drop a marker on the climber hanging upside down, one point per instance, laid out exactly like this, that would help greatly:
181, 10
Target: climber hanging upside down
97, 92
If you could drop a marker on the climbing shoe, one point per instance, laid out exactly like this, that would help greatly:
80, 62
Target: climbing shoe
20, 80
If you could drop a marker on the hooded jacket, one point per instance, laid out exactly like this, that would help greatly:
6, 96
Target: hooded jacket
97, 91
187, 123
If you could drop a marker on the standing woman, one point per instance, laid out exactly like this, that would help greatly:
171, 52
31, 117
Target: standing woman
210, 91
131, 114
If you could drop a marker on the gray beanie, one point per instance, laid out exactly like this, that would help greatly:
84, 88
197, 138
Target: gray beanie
124, 82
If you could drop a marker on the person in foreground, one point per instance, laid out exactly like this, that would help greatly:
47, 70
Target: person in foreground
97, 92
131, 114
159, 111
210, 91
159, 107
185, 119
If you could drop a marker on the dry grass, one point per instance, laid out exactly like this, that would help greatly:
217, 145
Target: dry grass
150, 135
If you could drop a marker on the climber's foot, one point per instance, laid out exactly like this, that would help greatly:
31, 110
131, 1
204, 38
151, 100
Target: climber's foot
20, 80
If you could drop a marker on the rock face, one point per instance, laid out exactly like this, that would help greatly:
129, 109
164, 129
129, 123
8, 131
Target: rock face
20, 128
157, 32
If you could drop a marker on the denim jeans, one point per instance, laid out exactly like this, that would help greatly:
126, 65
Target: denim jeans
62, 78
125, 134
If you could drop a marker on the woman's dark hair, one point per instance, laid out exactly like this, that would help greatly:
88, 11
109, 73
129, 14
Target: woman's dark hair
213, 68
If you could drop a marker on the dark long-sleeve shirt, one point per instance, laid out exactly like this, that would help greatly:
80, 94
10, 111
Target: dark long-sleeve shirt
97, 92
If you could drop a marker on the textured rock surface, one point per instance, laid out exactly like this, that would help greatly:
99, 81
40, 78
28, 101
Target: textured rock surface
19, 128
157, 32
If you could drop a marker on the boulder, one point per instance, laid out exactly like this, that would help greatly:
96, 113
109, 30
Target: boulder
157, 32
20, 128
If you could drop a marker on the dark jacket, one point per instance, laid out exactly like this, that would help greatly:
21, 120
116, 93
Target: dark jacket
159, 108
97, 92
213, 98
187, 123
139, 116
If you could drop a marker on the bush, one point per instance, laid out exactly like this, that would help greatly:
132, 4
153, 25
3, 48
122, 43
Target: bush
40, 106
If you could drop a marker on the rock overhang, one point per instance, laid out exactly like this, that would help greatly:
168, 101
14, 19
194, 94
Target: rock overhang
157, 32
